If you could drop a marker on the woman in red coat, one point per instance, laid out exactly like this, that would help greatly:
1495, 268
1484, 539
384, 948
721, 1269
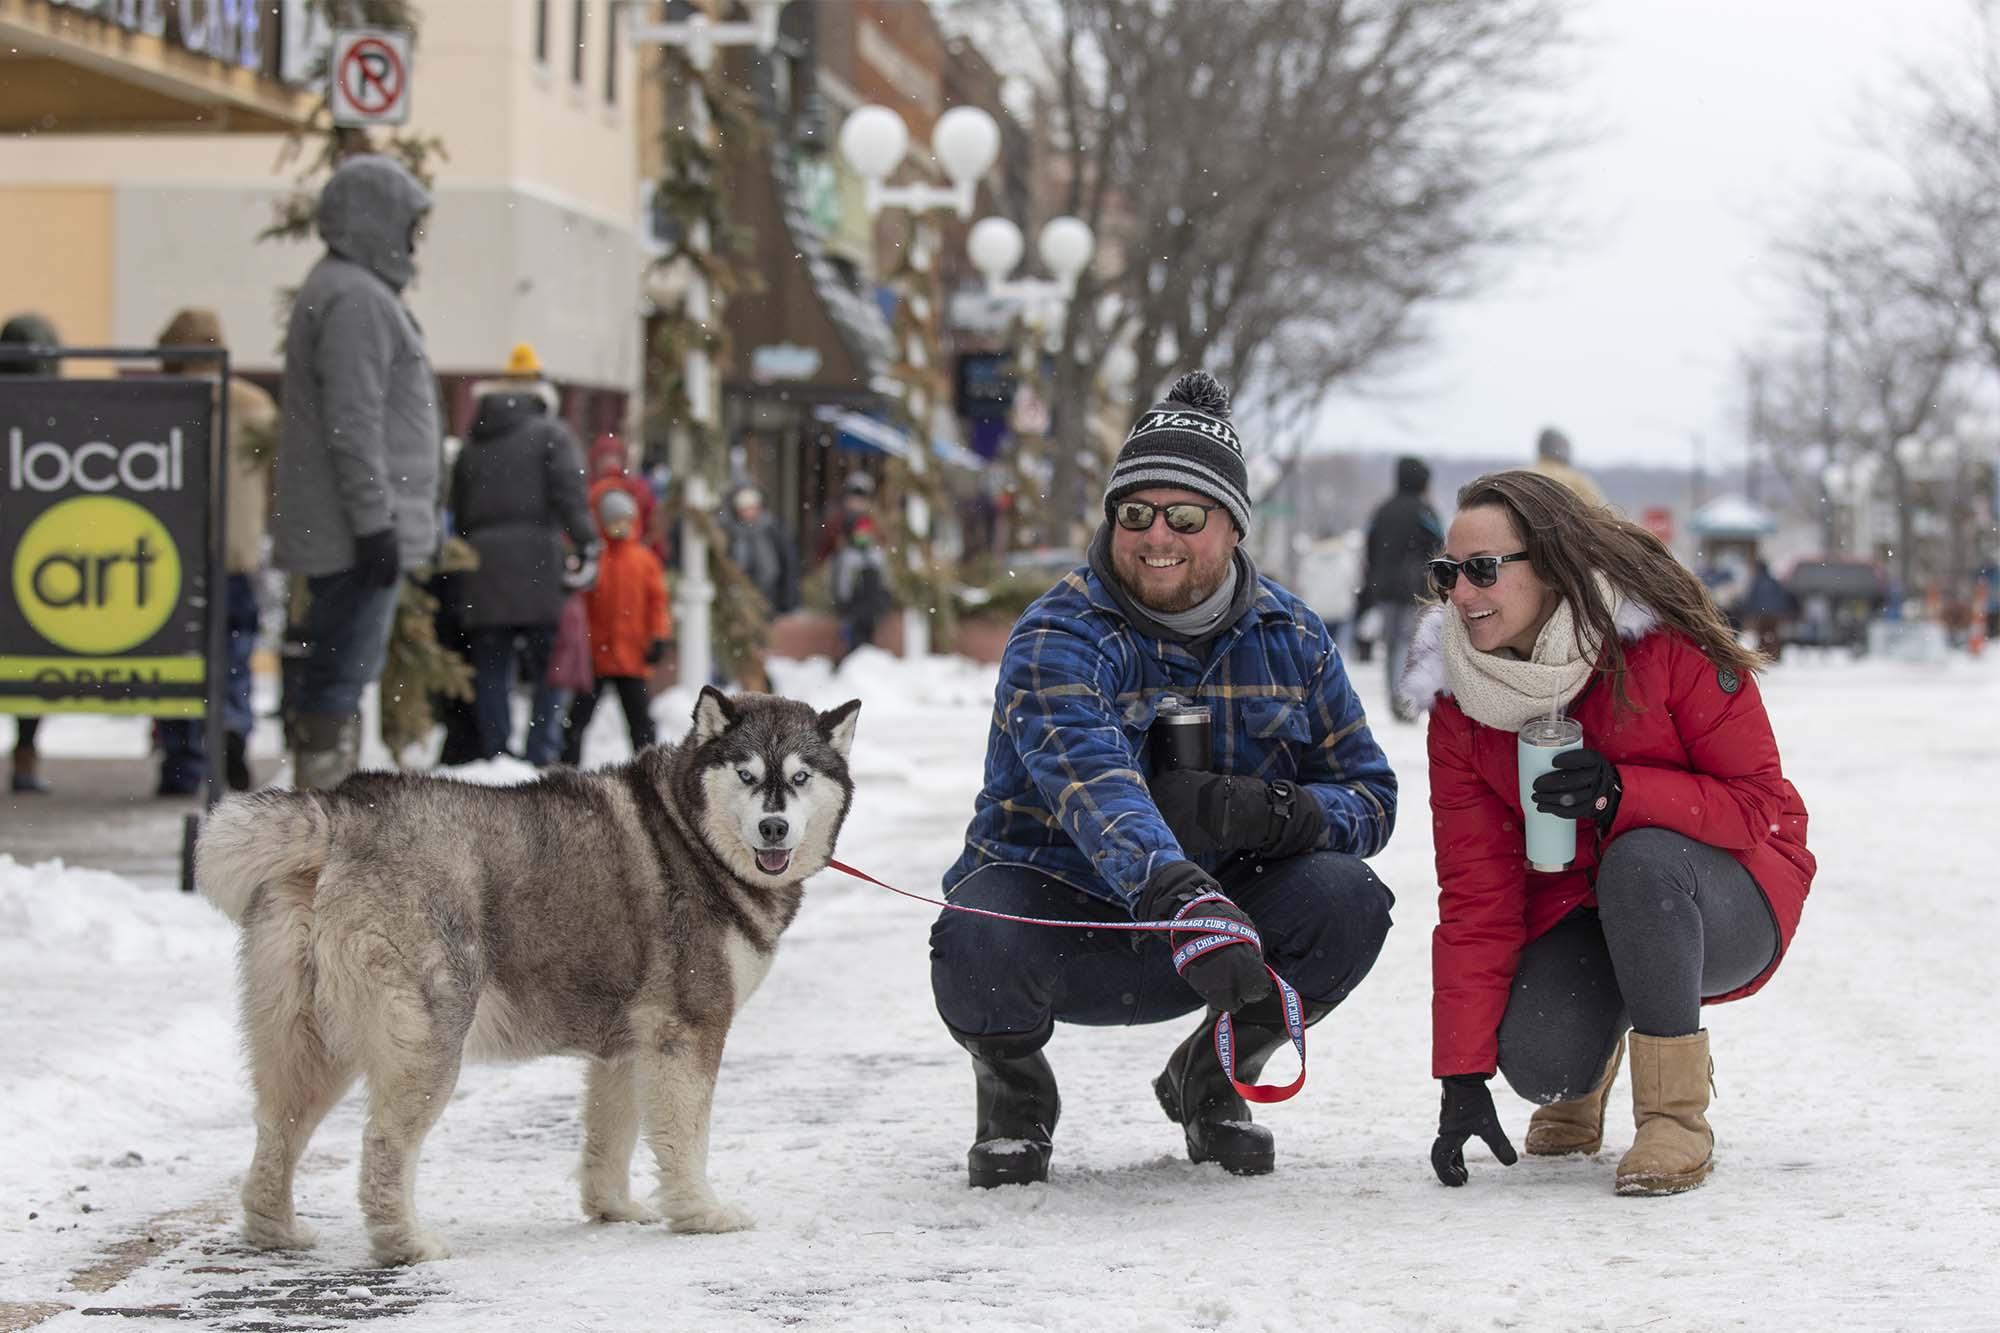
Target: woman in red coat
1691, 864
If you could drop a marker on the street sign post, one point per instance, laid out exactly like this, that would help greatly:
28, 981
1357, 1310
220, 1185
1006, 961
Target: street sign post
370, 72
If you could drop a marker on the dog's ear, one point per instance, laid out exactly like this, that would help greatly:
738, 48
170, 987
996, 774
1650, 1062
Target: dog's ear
837, 725
713, 714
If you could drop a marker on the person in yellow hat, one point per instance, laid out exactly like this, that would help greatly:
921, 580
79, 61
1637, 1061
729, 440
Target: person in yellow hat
518, 496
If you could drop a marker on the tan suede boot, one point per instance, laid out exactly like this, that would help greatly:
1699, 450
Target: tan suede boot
1674, 1146
1577, 1125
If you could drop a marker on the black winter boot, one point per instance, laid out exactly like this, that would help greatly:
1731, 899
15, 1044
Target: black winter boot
236, 760
1017, 1108
1196, 1093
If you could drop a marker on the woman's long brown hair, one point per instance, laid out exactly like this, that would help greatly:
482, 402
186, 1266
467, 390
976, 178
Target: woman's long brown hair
1568, 539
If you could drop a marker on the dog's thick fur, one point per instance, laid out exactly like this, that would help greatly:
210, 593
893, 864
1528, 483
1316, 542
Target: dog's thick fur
397, 924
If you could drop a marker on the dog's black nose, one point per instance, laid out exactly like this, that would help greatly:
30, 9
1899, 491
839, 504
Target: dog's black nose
772, 830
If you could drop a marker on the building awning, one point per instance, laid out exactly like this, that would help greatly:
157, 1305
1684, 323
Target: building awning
114, 67
866, 434
1731, 517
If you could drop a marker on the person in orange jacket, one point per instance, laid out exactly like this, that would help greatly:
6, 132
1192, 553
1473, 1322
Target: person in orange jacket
628, 625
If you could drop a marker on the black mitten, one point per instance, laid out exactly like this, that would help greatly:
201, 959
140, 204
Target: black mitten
377, 559
1228, 977
1466, 1110
1582, 785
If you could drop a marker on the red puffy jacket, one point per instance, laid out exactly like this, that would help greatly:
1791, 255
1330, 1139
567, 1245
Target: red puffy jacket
1699, 760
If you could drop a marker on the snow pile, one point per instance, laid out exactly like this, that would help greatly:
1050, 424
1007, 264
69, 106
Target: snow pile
89, 916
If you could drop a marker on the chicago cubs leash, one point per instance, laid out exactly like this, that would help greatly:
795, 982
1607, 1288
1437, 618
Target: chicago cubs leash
1210, 933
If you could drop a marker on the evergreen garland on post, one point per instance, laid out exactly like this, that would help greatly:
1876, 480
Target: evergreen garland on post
418, 666
693, 193
928, 586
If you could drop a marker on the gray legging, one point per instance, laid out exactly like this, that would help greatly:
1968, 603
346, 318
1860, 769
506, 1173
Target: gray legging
1676, 920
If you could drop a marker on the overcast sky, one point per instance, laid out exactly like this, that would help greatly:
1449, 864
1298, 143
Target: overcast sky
1713, 121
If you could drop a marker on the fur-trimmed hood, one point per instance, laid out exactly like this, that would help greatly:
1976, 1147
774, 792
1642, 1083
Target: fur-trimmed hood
1424, 676
537, 390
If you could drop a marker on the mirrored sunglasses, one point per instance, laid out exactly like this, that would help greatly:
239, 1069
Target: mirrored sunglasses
1184, 516
1482, 570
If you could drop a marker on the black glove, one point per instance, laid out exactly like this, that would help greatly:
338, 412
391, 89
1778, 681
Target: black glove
377, 559
655, 651
1228, 978
1582, 785
1466, 1110
1222, 812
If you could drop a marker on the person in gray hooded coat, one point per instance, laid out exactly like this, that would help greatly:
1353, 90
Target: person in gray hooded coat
359, 459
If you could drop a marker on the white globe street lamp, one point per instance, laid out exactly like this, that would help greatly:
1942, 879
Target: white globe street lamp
701, 36
1065, 245
965, 143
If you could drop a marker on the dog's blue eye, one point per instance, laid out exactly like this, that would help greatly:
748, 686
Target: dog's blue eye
749, 778
802, 777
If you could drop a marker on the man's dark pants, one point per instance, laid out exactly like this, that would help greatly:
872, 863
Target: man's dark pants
1322, 916
348, 623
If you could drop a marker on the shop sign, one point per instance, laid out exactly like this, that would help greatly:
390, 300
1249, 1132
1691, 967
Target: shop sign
104, 545
232, 31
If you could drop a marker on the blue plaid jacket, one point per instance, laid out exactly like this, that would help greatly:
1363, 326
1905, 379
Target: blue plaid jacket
1066, 756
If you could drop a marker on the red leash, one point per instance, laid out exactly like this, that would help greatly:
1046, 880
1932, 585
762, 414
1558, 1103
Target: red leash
1215, 933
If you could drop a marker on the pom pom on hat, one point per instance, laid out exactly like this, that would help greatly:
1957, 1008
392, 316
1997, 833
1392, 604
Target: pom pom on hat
523, 363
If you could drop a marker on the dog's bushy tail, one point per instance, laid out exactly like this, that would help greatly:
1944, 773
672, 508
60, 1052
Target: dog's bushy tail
274, 839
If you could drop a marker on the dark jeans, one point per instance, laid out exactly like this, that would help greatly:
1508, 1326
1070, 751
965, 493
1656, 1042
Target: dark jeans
347, 642
493, 650
632, 697
1676, 920
183, 746
1323, 917
1399, 622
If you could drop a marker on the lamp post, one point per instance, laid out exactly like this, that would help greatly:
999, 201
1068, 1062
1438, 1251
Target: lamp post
1065, 245
700, 37
965, 142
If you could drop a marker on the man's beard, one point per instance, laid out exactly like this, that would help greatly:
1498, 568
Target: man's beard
1175, 590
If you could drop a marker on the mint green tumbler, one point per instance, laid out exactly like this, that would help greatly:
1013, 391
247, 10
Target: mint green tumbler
1551, 838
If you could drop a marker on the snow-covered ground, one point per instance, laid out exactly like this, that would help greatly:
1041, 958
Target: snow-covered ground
1855, 1185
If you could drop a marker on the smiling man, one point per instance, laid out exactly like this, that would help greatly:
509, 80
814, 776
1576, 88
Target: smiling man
1079, 819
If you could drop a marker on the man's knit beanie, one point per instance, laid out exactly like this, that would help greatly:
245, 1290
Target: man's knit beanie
1186, 442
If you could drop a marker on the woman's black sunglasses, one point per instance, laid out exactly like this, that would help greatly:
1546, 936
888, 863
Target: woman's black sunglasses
1184, 516
1483, 570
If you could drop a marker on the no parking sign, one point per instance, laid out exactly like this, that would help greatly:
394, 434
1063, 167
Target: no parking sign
370, 71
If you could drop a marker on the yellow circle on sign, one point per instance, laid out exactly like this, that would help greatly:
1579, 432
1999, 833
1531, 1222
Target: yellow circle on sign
97, 575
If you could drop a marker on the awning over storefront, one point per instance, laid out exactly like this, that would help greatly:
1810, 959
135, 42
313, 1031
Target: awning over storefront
115, 66
858, 430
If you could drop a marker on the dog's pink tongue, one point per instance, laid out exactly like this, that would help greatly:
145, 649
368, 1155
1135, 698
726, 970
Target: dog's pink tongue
774, 861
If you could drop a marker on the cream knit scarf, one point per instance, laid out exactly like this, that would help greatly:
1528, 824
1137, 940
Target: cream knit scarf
1504, 693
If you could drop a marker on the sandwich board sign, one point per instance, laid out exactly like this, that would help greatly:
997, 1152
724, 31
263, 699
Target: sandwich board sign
106, 546
370, 73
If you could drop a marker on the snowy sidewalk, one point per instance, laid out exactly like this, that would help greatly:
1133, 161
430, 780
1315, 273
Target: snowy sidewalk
1853, 1186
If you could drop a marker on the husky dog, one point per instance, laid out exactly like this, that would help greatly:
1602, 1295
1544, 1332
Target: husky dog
397, 924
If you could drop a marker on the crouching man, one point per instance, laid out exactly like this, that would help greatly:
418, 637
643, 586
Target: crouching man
1078, 820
